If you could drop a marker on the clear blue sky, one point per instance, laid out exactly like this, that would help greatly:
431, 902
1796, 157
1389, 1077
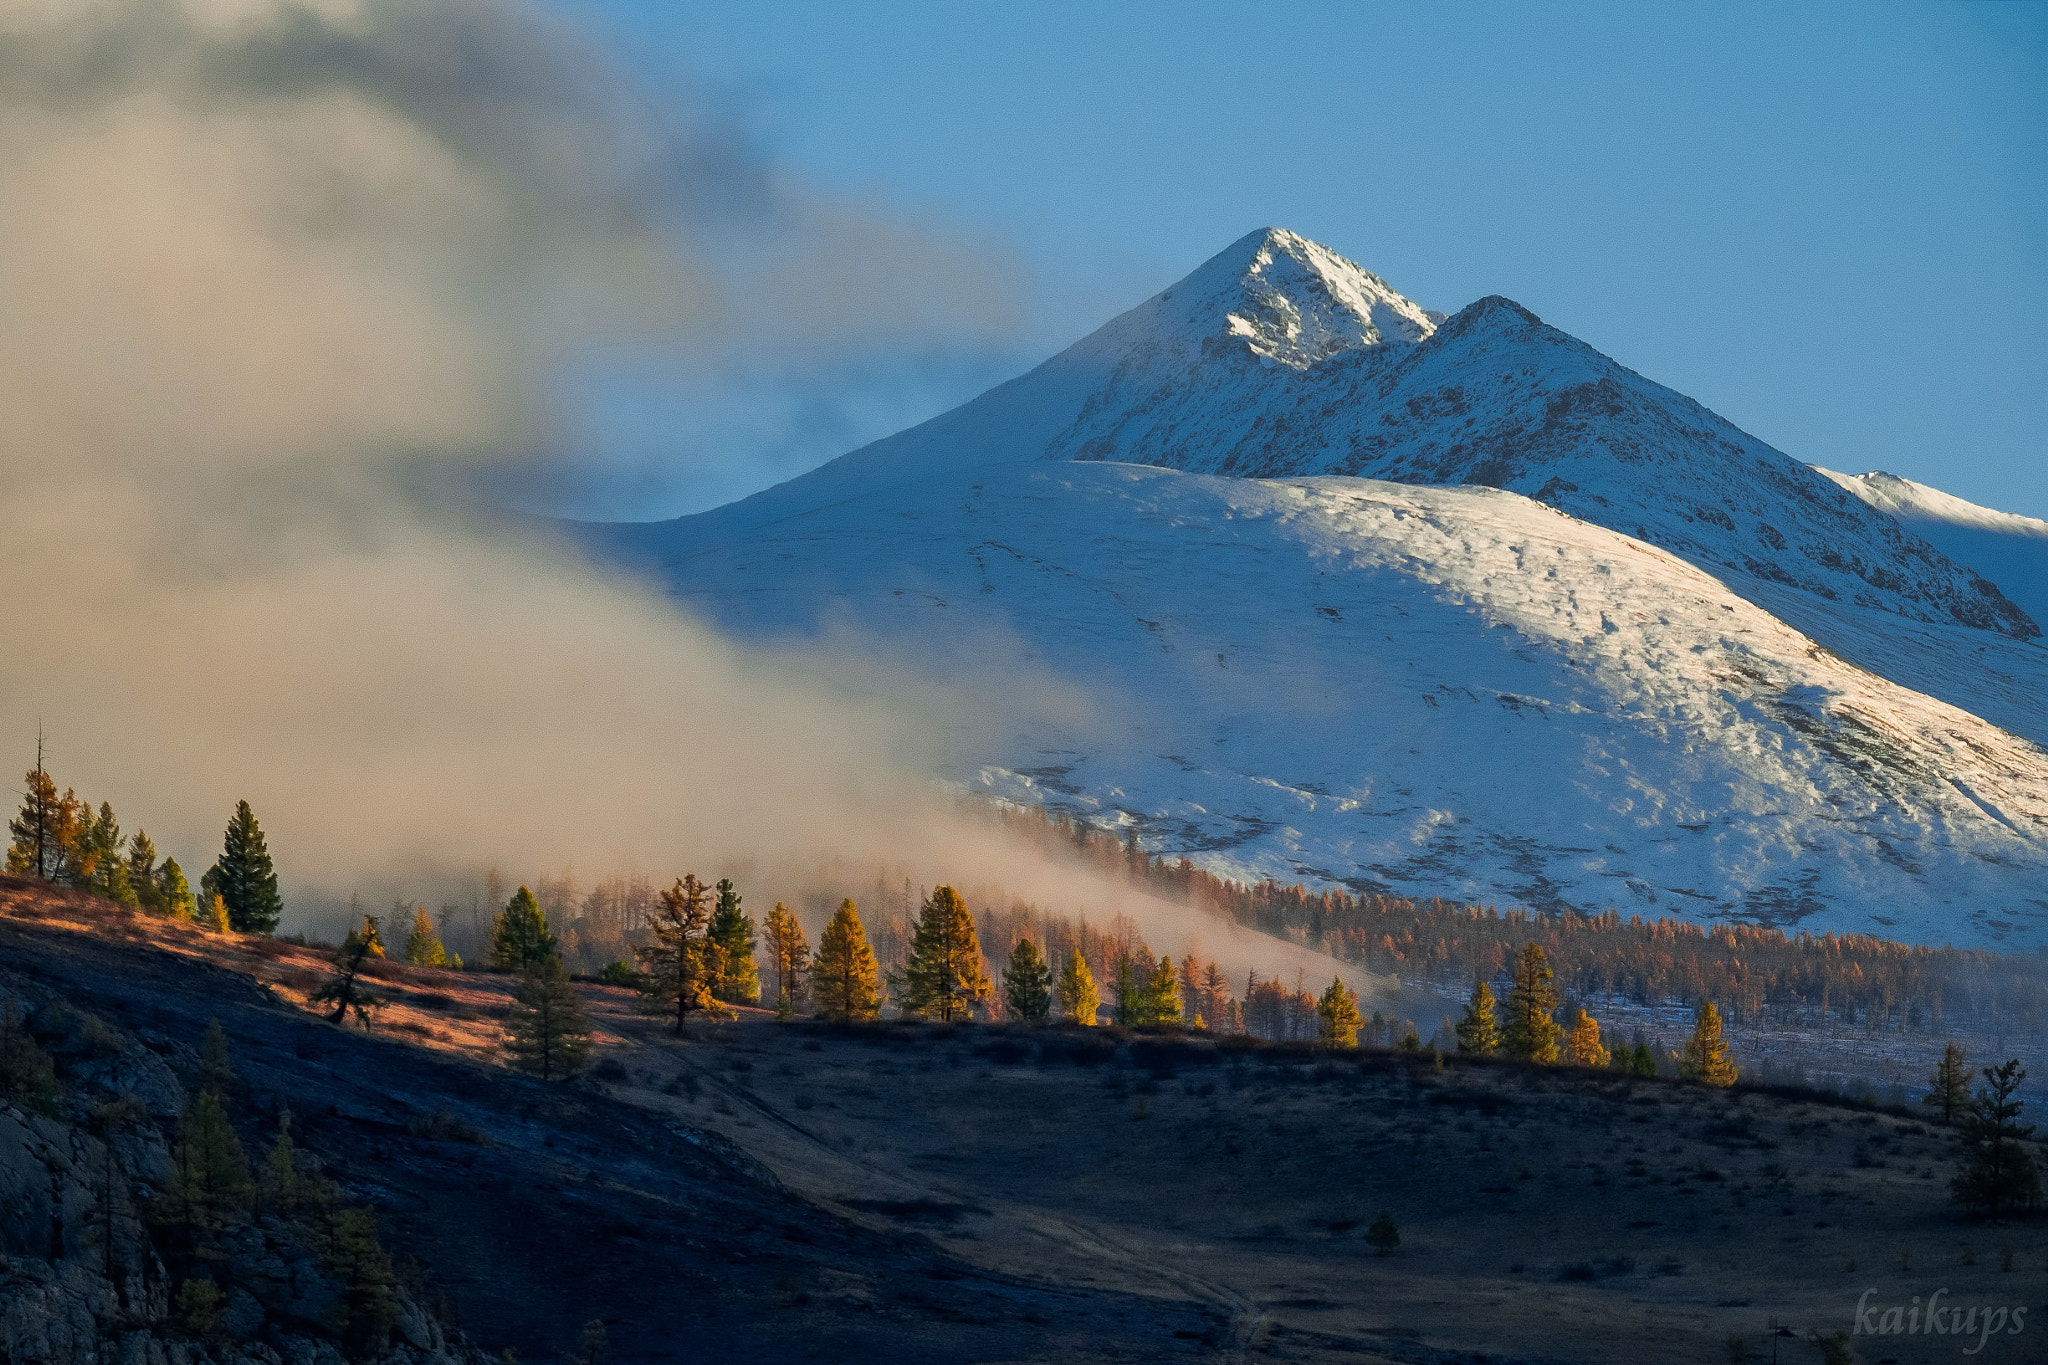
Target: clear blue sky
1827, 222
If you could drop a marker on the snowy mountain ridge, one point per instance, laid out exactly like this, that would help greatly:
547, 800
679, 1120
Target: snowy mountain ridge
2005, 547
1431, 605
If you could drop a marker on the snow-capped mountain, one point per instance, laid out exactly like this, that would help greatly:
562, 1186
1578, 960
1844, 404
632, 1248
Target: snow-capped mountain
2010, 550
1279, 358
1610, 678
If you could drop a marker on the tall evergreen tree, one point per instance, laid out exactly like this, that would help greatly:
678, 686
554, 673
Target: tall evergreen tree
216, 1064
679, 968
1127, 1005
1582, 1046
1531, 1032
732, 929
944, 977
98, 864
144, 876
1998, 1175
1949, 1086
845, 982
1027, 983
1162, 1001
1706, 1052
1479, 1029
520, 937
789, 954
423, 947
176, 891
209, 1174
281, 1184
244, 876
547, 1032
1337, 1015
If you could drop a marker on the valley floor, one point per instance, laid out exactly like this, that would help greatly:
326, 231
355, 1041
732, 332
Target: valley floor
1543, 1216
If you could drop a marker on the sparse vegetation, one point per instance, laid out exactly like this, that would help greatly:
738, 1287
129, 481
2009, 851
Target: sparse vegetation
547, 1033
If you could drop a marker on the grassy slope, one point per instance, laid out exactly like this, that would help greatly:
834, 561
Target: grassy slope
982, 1194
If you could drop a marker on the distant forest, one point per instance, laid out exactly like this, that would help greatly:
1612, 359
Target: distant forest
1756, 974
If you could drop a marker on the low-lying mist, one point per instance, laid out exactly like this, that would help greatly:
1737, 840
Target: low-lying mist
278, 283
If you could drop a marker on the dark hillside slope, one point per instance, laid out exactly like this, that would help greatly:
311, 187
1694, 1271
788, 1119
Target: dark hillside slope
575, 1206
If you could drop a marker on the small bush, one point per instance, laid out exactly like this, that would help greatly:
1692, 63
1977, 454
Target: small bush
101, 1038
197, 1307
443, 1126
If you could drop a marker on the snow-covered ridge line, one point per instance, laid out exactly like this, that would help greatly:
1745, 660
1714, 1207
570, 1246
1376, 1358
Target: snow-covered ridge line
1436, 606
1451, 691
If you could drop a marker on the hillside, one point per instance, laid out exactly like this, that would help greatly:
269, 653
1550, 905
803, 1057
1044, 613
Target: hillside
684, 1245
773, 1192
1429, 691
2010, 550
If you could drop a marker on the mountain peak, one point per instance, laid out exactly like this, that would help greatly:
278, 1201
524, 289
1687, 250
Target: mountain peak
1292, 301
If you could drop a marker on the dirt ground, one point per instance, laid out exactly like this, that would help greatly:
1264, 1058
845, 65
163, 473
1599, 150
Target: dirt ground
1543, 1215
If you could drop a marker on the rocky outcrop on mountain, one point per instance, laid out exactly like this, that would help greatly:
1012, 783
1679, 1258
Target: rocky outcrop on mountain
97, 1265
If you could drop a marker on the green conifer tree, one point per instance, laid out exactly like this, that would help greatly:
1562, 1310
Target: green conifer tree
216, 1065
1479, 1029
1949, 1086
1161, 1004
1127, 1006
210, 1176
520, 937
732, 929
101, 865
1641, 1061
944, 978
1706, 1052
245, 877
369, 1287
282, 1187
547, 1032
1337, 1015
679, 968
1531, 1032
1998, 1175
1027, 984
845, 983
176, 892
423, 946
145, 878
1077, 995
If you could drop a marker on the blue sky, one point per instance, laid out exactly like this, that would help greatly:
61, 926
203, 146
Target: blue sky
1827, 222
